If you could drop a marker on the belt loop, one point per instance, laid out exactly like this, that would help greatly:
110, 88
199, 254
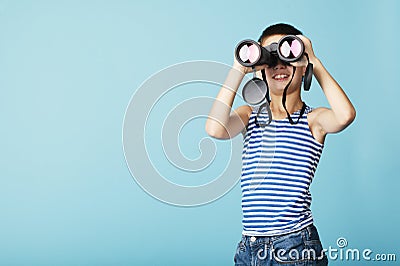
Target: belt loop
246, 239
309, 231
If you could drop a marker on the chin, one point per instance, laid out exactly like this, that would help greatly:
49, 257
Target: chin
279, 86
278, 90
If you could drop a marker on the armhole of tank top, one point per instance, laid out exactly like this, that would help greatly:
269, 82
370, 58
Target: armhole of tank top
244, 130
310, 109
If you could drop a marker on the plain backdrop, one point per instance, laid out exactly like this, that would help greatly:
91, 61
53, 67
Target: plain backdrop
68, 70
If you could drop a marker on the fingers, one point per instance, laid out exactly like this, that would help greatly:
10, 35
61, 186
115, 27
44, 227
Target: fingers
261, 67
300, 63
307, 46
303, 38
256, 68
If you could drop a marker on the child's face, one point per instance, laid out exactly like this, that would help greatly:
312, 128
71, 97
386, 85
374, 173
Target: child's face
279, 76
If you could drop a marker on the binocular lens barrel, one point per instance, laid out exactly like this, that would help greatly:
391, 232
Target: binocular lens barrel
249, 53
289, 49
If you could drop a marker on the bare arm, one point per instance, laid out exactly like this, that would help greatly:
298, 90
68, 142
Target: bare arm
221, 122
341, 112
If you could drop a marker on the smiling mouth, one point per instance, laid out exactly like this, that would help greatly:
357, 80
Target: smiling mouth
280, 77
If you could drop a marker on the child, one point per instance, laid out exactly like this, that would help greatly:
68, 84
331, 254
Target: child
280, 159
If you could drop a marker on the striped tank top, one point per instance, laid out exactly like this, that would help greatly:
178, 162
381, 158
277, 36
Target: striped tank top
279, 162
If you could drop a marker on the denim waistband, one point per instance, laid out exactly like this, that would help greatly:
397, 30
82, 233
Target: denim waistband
310, 231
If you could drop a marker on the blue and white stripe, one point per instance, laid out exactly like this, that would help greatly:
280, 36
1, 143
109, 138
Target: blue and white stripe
279, 162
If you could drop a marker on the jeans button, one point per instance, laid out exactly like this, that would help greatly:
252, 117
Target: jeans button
253, 238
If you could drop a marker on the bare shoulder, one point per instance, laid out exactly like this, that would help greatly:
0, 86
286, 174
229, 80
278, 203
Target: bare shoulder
244, 109
244, 112
313, 115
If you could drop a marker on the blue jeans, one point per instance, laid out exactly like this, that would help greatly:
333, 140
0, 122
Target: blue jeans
299, 248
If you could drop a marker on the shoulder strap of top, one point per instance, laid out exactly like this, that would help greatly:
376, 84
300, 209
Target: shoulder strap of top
309, 109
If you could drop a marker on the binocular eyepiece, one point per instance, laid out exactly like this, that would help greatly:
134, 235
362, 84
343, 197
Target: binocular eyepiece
249, 53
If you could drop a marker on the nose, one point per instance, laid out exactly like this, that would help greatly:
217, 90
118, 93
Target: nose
280, 65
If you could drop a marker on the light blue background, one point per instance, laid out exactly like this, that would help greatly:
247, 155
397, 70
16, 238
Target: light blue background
67, 72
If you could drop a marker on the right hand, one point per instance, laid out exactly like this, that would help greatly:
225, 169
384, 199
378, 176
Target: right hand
244, 69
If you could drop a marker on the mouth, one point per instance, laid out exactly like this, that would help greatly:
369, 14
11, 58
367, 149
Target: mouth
280, 77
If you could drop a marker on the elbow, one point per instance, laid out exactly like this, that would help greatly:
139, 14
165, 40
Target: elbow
348, 117
351, 115
215, 131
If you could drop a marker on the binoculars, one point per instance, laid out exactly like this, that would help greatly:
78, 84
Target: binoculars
289, 49
249, 53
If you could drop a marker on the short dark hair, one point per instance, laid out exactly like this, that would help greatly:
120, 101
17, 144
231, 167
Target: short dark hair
280, 28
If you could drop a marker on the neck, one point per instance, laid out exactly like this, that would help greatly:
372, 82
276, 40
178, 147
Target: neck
293, 103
